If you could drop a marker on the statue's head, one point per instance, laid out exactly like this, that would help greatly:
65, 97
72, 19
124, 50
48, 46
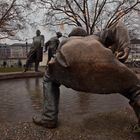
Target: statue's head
78, 31
38, 32
59, 34
107, 37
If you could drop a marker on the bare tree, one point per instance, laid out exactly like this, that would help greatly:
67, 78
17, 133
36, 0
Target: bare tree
12, 18
91, 14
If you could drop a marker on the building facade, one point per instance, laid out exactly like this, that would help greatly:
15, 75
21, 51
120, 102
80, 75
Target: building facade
135, 50
16, 54
13, 54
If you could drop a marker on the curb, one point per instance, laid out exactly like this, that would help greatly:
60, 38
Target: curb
17, 75
30, 74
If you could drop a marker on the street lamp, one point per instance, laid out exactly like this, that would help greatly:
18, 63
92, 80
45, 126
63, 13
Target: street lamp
26, 46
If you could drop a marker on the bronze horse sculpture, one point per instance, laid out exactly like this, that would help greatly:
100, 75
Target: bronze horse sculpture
85, 63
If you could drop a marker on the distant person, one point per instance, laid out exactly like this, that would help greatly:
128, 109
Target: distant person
4, 64
36, 53
52, 45
19, 63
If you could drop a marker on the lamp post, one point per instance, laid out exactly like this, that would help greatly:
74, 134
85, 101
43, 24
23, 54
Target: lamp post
26, 46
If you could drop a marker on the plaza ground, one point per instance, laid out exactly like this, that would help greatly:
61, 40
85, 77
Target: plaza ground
82, 116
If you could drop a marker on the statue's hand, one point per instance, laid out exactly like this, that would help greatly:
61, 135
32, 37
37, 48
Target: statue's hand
125, 55
136, 128
119, 54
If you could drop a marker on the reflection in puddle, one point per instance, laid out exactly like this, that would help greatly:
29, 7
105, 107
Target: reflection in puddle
20, 99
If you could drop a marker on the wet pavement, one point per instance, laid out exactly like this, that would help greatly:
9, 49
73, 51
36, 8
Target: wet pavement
82, 116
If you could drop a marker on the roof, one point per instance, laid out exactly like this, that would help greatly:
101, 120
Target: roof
3, 45
135, 41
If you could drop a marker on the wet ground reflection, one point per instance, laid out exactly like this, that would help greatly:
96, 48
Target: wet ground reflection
20, 99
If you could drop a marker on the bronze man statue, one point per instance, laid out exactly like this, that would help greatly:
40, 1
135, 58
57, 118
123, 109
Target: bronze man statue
52, 45
120, 45
85, 64
36, 52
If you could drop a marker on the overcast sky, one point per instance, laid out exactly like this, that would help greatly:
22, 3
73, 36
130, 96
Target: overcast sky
36, 19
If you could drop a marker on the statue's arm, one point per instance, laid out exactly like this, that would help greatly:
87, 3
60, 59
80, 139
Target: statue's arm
124, 42
46, 46
42, 40
33, 45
